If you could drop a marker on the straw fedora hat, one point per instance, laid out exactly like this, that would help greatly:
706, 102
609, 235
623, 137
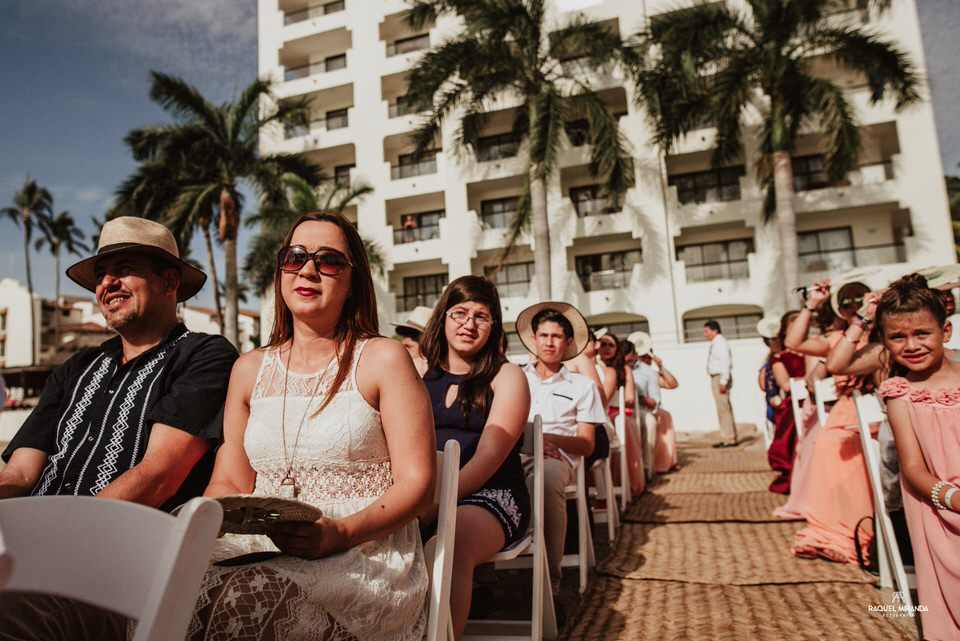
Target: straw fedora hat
141, 236
581, 333
642, 342
417, 320
768, 326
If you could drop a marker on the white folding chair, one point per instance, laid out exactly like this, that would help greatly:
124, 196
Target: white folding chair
6, 563
529, 552
438, 551
824, 391
603, 480
798, 393
870, 411
585, 559
117, 555
620, 428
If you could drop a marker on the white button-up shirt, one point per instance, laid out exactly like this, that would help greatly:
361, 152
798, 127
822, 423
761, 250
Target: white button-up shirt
647, 380
719, 360
562, 401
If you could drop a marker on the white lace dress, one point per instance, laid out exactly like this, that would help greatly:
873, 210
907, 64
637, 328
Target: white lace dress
375, 591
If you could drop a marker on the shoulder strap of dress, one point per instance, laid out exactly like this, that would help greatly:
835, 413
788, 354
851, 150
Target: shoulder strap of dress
265, 373
357, 351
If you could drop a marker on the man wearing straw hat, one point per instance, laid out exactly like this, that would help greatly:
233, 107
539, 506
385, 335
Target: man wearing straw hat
137, 418
569, 406
410, 331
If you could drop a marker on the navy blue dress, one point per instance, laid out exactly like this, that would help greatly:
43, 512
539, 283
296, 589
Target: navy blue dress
505, 494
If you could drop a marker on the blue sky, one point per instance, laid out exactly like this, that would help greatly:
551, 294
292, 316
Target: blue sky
74, 75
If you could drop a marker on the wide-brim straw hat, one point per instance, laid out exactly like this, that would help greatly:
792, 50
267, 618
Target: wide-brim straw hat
139, 236
581, 332
768, 326
417, 320
642, 342
942, 277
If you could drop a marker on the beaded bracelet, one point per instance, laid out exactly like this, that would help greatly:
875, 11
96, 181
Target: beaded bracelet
946, 497
935, 495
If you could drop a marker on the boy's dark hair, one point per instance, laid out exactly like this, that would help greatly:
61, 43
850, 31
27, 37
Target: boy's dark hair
552, 316
713, 325
409, 332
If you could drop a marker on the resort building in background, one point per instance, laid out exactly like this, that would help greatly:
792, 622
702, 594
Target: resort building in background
688, 243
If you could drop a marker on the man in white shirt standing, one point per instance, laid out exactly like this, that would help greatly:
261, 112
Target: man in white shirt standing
569, 406
719, 365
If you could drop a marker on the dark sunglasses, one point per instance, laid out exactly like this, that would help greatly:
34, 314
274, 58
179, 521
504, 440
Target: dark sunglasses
328, 262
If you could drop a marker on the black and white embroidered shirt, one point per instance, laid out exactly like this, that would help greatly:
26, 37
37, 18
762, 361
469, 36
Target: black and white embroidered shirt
95, 415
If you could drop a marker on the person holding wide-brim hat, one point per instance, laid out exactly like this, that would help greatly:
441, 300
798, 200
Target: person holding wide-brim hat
137, 418
569, 406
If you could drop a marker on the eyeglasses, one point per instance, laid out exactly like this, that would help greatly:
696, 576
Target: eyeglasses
461, 317
328, 262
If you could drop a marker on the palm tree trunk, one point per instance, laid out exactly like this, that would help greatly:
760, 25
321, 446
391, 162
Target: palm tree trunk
205, 227
541, 234
34, 333
228, 235
56, 315
786, 221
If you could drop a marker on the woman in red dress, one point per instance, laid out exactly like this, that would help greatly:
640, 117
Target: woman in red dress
787, 364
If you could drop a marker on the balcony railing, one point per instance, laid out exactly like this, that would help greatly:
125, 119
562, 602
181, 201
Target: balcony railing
397, 109
316, 126
406, 302
410, 170
498, 150
606, 279
595, 207
314, 12
408, 45
839, 260
315, 68
413, 234
717, 271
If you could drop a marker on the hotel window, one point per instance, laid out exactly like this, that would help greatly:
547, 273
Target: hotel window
826, 250
333, 63
341, 174
499, 212
711, 261
578, 132
591, 200
421, 290
337, 119
513, 279
708, 186
407, 167
809, 172
409, 45
496, 147
607, 271
422, 226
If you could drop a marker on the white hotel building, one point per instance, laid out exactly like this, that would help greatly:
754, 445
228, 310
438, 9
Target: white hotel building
688, 243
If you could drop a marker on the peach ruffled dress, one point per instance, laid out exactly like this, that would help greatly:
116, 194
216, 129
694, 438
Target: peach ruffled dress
838, 488
796, 505
934, 534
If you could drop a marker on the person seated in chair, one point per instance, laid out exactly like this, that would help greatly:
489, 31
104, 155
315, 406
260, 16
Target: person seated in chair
569, 406
135, 419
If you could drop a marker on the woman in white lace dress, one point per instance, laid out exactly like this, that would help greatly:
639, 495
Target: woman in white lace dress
333, 414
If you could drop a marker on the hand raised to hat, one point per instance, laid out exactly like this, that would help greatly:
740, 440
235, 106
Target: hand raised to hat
817, 293
868, 310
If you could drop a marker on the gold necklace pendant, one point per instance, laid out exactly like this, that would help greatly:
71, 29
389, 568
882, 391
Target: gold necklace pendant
288, 488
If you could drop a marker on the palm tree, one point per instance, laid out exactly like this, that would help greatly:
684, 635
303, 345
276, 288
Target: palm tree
223, 141
31, 203
507, 48
60, 231
714, 63
274, 221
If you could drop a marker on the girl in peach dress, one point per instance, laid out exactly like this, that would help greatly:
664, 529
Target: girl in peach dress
923, 407
838, 489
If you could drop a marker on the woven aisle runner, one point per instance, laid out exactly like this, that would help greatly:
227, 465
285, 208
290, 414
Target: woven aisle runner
700, 556
749, 507
723, 553
668, 611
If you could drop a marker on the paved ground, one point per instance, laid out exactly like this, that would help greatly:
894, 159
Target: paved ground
708, 563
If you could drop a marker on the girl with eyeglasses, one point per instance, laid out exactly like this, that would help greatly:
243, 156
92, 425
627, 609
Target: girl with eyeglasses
481, 400
334, 415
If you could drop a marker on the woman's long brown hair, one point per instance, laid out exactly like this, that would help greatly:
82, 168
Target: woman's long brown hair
619, 360
358, 318
487, 362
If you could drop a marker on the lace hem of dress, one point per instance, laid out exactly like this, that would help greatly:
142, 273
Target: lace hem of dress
331, 482
898, 387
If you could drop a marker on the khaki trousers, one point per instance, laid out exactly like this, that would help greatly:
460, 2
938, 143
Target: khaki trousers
728, 428
557, 475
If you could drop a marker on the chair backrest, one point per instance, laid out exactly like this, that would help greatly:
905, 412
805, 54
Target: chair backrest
620, 427
825, 391
121, 556
798, 392
534, 432
438, 551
